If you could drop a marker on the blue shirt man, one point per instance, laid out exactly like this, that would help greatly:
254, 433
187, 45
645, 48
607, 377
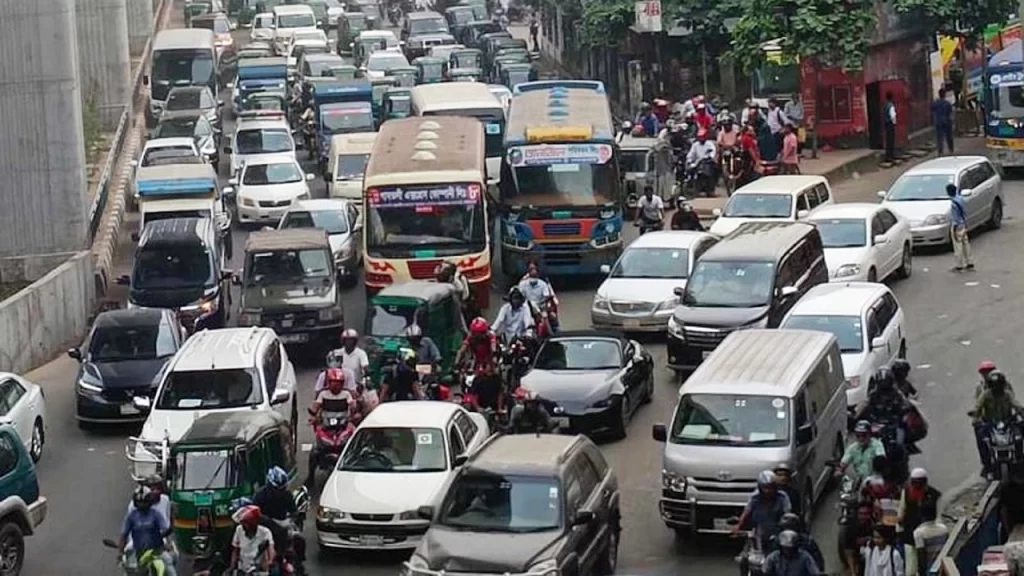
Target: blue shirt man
146, 528
765, 513
957, 209
650, 124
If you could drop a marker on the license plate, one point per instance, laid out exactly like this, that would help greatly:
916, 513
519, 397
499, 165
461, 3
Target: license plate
631, 324
721, 524
293, 338
704, 355
287, 323
129, 410
371, 540
560, 422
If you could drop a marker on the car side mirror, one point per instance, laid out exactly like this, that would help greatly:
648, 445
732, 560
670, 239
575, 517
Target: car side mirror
75, 354
280, 396
678, 291
801, 214
881, 194
583, 517
606, 269
881, 239
236, 279
141, 403
124, 279
967, 192
425, 512
717, 212
233, 181
877, 343
659, 433
788, 291
461, 459
804, 434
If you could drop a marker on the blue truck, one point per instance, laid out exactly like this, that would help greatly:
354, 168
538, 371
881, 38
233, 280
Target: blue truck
259, 75
341, 107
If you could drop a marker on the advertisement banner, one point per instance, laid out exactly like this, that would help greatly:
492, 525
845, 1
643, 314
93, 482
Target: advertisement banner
418, 196
550, 154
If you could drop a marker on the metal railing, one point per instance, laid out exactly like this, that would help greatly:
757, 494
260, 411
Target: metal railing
103, 185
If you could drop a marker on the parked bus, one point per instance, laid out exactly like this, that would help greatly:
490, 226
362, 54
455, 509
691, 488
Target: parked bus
472, 99
1004, 108
424, 202
181, 57
561, 196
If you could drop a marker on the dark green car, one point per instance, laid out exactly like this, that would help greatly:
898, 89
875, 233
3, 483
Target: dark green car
290, 284
25, 508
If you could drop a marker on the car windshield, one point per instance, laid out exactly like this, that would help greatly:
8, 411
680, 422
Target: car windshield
731, 420
263, 21
268, 174
333, 221
469, 60
395, 450
175, 128
351, 166
287, 266
296, 21
483, 502
920, 187
847, 329
118, 343
842, 233
579, 354
208, 470
187, 100
383, 61
211, 390
653, 263
729, 284
428, 26
633, 160
154, 155
346, 119
759, 206
261, 141
391, 320
172, 267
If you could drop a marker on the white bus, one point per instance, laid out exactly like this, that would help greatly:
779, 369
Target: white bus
181, 57
472, 99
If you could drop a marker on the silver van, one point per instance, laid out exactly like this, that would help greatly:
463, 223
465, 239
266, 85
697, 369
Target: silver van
763, 397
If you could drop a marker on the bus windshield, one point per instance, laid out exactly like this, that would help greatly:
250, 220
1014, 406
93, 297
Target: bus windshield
562, 175
190, 67
426, 216
493, 120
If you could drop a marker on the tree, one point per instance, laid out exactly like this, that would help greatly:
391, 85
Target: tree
606, 22
964, 18
834, 32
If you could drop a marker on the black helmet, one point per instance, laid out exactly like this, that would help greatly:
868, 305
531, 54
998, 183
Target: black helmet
515, 293
900, 369
790, 521
882, 379
143, 497
996, 381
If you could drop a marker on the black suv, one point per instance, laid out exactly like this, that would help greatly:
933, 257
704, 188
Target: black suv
527, 505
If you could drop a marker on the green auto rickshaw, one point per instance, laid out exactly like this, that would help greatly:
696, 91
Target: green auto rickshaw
222, 457
434, 307
197, 8
380, 87
405, 75
350, 24
397, 104
430, 70
250, 8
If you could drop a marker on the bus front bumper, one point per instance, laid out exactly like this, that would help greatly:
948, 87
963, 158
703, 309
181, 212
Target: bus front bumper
561, 259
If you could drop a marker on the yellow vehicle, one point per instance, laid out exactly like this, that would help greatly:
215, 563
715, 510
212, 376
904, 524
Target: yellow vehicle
424, 201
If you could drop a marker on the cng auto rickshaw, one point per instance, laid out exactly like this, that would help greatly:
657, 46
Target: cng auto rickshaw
404, 75
397, 104
349, 26
223, 456
430, 70
250, 8
434, 307
197, 8
380, 86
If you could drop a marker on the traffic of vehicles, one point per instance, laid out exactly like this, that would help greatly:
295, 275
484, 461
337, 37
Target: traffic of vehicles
450, 427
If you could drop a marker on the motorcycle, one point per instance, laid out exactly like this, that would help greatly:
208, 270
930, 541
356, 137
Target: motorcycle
703, 177
149, 564
332, 429
1004, 440
732, 168
650, 226
516, 357
751, 557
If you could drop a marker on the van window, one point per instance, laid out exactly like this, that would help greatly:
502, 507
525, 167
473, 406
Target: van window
888, 218
731, 420
835, 377
818, 389
823, 193
573, 493
272, 367
789, 271
458, 447
589, 478
800, 409
812, 198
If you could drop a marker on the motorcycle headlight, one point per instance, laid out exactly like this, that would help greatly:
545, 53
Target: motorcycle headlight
672, 481
847, 270
675, 328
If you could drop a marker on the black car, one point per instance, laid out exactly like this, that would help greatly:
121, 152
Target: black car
592, 382
123, 357
192, 124
525, 504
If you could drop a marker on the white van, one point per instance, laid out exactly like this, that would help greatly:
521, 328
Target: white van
772, 199
349, 155
287, 19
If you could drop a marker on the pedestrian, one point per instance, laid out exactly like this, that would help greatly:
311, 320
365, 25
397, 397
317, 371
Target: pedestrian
776, 121
880, 556
534, 30
890, 119
929, 538
917, 495
790, 151
794, 111
942, 119
766, 141
958, 230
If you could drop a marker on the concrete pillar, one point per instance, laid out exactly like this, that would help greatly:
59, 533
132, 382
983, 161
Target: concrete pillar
140, 25
42, 163
103, 57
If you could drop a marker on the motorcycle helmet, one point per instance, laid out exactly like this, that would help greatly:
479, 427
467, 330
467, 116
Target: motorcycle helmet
790, 521
986, 366
153, 481
479, 326
516, 295
882, 379
900, 369
335, 376
788, 539
766, 479
783, 468
350, 334
414, 334
996, 381
862, 427
239, 503
277, 477
249, 516
143, 498
333, 360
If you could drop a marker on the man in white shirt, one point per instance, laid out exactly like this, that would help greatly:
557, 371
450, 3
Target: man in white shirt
249, 536
514, 319
353, 359
702, 149
650, 208
929, 538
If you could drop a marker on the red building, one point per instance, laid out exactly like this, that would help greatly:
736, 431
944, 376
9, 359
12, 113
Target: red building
846, 107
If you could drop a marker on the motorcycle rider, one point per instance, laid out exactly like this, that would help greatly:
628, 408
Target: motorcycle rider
790, 559
538, 292
403, 382
993, 406
528, 416
335, 390
861, 453
424, 346
250, 536
147, 528
703, 150
764, 510
647, 121
885, 403
448, 273
482, 345
514, 319
900, 373
650, 209
984, 369
352, 358
792, 521
685, 218
783, 479
704, 119
276, 503
917, 495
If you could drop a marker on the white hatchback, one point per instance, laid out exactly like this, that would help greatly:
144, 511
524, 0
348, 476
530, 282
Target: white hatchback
867, 320
864, 242
24, 407
267, 187
772, 199
399, 458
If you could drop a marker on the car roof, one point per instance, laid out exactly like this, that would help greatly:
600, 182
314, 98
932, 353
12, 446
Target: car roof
669, 239
756, 241
288, 239
423, 15
175, 142
324, 57
275, 158
528, 454
786, 184
945, 165
844, 210
591, 334
191, 113
129, 318
221, 349
320, 204
410, 414
839, 299
175, 231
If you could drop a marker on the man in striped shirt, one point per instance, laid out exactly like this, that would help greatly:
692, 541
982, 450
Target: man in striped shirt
929, 538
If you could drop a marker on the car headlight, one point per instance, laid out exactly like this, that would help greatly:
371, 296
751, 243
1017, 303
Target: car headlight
247, 202
545, 568
602, 403
345, 252
249, 318
847, 270
330, 314
669, 304
600, 303
409, 515
936, 219
853, 381
89, 387
672, 481
328, 514
415, 565
675, 328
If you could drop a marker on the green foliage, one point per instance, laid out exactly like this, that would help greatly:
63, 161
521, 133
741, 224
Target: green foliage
606, 22
956, 17
91, 127
835, 32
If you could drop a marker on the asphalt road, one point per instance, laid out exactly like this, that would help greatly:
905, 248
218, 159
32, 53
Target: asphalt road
954, 321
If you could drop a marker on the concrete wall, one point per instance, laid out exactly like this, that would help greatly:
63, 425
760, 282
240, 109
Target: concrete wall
103, 59
42, 162
30, 268
140, 24
50, 315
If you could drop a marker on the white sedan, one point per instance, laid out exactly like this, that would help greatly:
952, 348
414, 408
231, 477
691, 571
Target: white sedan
267, 187
23, 405
864, 242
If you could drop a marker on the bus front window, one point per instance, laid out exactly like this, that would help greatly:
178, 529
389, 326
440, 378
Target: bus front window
1008, 102
439, 217
181, 68
583, 184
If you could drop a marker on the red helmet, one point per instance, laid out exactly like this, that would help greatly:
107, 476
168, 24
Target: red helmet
479, 326
522, 394
702, 133
250, 516
986, 366
335, 375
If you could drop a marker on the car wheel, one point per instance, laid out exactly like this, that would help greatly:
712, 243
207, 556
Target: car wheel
619, 430
995, 219
12, 549
872, 275
907, 264
609, 560
35, 445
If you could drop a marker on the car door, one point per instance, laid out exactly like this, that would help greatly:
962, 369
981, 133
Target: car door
15, 405
893, 327
472, 434
893, 248
595, 499
988, 189
634, 374
881, 246
970, 179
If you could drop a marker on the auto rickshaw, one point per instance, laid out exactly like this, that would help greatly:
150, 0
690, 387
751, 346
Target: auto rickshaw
465, 75
345, 72
380, 86
405, 75
434, 307
466, 59
517, 73
350, 24
223, 456
397, 104
430, 70
197, 8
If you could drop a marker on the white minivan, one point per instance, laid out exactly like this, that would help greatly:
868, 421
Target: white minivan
349, 155
772, 199
287, 19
